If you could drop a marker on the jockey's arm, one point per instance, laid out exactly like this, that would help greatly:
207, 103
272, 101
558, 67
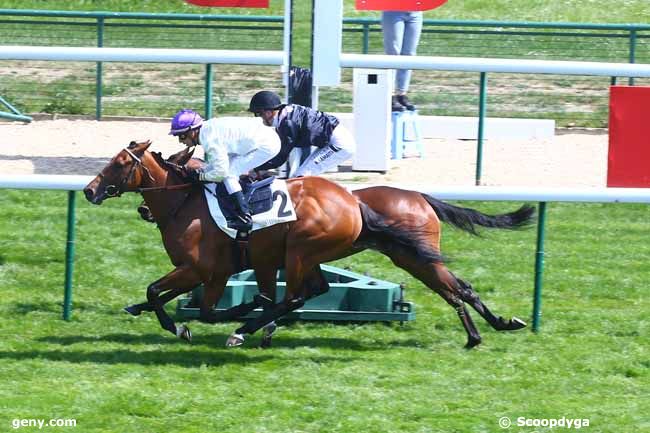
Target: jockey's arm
289, 134
218, 165
276, 161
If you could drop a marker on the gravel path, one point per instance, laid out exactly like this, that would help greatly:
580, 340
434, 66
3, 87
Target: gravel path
84, 147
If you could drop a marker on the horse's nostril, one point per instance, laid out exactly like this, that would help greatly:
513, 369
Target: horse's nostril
88, 193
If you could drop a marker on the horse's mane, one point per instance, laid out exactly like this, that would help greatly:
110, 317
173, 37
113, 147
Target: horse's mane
159, 158
170, 167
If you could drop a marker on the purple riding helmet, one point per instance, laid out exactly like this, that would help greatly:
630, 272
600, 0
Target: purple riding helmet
185, 120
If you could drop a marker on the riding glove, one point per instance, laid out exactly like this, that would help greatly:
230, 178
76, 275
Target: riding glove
192, 175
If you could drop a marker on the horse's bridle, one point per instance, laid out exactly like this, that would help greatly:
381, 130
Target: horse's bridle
116, 191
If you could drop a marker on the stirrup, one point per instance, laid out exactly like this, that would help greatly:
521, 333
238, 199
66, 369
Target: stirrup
241, 223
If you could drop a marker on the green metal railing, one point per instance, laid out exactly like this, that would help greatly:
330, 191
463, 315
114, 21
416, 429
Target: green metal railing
486, 38
144, 30
624, 43
13, 113
571, 101
156, 90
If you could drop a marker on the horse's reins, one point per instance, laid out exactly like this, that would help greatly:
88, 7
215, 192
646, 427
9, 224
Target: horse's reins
166, 187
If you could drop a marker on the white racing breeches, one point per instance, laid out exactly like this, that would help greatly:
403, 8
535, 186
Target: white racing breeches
341, 148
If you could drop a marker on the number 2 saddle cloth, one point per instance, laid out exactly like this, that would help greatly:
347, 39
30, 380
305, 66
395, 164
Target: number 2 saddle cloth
268, 199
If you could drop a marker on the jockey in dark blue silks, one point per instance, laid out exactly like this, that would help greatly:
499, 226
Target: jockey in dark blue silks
303, 127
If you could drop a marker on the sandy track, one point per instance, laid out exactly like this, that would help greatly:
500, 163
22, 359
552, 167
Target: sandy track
85, 146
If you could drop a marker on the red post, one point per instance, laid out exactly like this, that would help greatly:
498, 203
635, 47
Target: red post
629, 137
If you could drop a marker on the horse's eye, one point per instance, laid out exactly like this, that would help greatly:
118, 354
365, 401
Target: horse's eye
118, 167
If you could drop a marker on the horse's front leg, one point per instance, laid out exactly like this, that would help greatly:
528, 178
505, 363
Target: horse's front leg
137, 309
211, 296
180, 280
267, 283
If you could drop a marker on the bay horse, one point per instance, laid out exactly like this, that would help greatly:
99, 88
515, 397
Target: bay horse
332, 223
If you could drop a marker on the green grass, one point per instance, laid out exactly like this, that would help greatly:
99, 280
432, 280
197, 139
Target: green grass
115, 373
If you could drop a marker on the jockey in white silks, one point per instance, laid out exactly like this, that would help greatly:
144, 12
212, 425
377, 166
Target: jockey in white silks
233, 146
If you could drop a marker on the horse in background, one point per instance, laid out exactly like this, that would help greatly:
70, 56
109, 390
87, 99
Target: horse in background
332, 223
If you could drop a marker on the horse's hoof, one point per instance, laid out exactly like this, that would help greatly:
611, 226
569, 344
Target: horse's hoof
184, 333
235, 340
133, 310
267, 335
472, 342
266, 342
516, 323
269, 329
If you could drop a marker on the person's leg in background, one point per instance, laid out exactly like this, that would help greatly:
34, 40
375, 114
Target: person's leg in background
411, 38
392, 26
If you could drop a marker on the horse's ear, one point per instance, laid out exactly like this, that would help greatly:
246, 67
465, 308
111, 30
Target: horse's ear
147, 144
181, 158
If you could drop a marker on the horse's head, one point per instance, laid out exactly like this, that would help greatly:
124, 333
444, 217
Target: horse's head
125, 172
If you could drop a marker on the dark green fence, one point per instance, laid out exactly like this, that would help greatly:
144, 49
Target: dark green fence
130, 89
571, 101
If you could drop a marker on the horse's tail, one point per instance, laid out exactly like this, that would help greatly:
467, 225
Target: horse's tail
467, 219
386, 237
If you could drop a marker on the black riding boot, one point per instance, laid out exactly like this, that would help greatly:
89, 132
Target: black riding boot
243, 221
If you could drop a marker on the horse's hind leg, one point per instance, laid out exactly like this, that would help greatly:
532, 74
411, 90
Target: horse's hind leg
314, 284
213, 293
468, 295
438, 278
269, 315
267, 283
300, 284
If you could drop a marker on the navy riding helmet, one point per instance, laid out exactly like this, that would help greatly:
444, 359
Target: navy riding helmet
264, 100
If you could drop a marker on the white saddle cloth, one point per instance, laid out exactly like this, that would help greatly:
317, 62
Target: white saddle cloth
281, 212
